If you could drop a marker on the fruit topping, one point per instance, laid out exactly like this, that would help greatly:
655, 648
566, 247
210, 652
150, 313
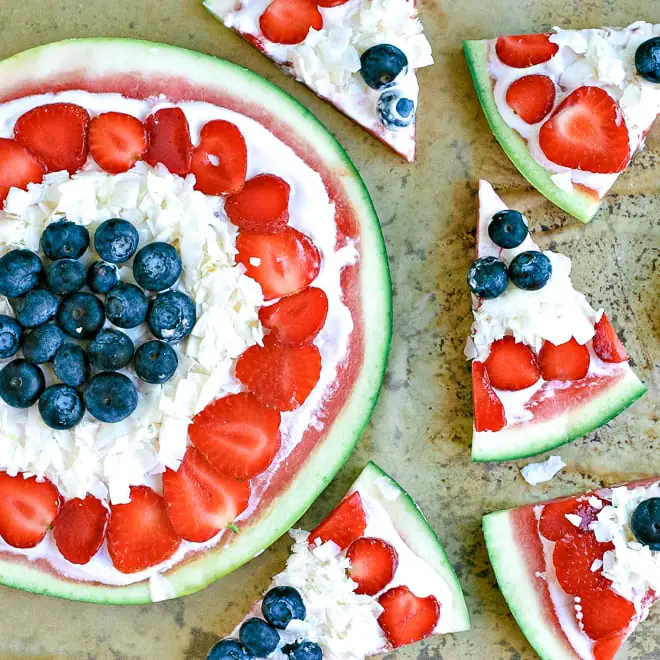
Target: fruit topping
647, 59
487, 277
568, 361
645, 523
488, 409
110, 396
19, 272
394, 110
258, 637
36, 307
607, 346
71, 365
531, 97
587, 132
262, 205
344, 525
61, 407
553, 523
42, 343
407, 618
508, 229
157, 266
10, 336
64, 240
21, 383
289, 21
331, 3
604, 613
79, 529
523, 50
229, 649
304, 650
56, 134
102, 276
116, 240
530, 270
373, 564
139, 533
281, 605
116, 141
156, 362
18, 167
511, 365
382, 64
171, 316
81, 315
126, 305
169, 140
607, 647
110, 350
65, 276
573, 557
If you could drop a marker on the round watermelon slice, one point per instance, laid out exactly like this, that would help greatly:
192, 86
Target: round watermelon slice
143, 70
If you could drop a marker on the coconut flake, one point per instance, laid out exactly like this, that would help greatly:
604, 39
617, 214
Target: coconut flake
537, 473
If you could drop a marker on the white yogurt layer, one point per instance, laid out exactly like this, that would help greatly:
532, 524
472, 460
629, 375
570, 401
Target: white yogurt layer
601, 57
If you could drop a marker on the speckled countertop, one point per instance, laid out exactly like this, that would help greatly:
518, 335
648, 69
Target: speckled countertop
421, 428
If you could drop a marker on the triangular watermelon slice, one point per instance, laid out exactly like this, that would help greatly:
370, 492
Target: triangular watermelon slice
516, 422
568, 107
575, 575
372, 576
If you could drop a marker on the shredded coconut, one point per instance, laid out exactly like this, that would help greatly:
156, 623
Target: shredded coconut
537, 473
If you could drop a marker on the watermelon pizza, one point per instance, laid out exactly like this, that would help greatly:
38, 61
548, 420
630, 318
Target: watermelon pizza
570, 107
359, 55
372, 577
190, 267
579, 573
546, 367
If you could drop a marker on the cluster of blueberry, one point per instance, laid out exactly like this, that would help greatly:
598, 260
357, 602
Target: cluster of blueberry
258, 638
531, 270
50, 306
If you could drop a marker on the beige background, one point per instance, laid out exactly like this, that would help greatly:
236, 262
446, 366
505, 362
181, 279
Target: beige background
421, 428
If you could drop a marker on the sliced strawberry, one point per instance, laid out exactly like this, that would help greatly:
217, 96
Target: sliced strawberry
169, 140
523, 50
605, 613
587, 132
79, 529
139, 533
238, 435
28, 509
297, 319
283, 263
18, 167
607, 346
568, 361
219, 161
56, 134
607, 647
281, 377
344, 524
531, 97
373, 564
262, 205
553, 523
331, 3
200, 501
573, 556
488, 409
117, 141
407, 618
511, 365
289, 21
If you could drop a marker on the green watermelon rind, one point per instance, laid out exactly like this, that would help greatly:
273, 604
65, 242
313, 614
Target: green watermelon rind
84, 58
578, 203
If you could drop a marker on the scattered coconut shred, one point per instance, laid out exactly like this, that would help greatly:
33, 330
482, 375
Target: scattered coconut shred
538, 473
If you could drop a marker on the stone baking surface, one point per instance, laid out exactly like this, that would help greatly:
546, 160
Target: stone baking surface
421, 428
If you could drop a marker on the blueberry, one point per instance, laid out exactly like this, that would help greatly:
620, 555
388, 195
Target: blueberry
394, 110
61, 407
64, 240
36, 307
110, 396
41, 344
229, 649
303, 651
155, 362
157, 266
281, 604
647, 60
19, 272
258, 637
110, 350
645, 523
487, 277
102, 276
508, 229
81, 315
126, 305
382, 64
10, 336
65, 276
171, 316
116, 240
71, 365
530, 270
21, 383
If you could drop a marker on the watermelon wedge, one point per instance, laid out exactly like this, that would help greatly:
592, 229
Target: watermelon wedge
515, 422
559, 565
138, 71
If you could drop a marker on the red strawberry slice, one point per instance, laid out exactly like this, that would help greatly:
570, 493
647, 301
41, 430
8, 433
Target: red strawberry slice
407, 618
511, 365
607, 345
488, 409
373, 564
116, 141
238, 435
523, 50
344, 525
553, 523
531, 98
28, 509
56, 134
573, 556
289, 21
79, 529
18, 167
169, 140
200, 501
219, 161
568, 361
296, 320
262, 205
283, 263
607, 647
605, 613
139, 533
331, 3
587, 132
281, 377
